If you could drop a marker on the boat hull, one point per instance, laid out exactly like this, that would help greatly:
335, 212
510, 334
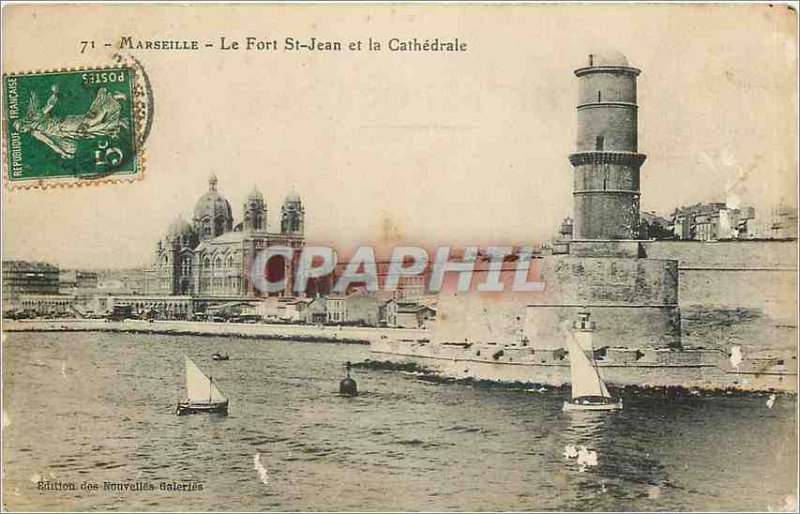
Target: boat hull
185, 408
570, 406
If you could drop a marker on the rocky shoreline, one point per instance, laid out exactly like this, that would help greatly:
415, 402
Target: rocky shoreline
427, 374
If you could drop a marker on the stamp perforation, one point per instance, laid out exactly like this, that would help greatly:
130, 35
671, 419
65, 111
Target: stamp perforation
139, 109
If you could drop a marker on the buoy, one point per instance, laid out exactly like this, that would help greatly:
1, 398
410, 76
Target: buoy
347, 386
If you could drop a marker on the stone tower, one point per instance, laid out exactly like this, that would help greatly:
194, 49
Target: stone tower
606, 158
292, 215
606, 273
255, 212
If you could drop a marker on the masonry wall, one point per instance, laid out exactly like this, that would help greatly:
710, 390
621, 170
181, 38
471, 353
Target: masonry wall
718, 254
614, 87
731, 274
615, 122
634, 302
576, 280
632, 326
736, 293
619, 218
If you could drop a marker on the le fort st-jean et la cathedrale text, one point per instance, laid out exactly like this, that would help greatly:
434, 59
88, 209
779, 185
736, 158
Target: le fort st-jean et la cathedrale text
297, 44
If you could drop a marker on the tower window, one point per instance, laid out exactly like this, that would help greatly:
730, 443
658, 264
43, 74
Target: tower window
598, 144
599, 96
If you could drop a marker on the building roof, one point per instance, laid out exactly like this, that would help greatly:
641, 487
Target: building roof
212, 204
410, 306
229, 237
179, 228
255, 195
607, 57
292, 197
28, 266
651, 217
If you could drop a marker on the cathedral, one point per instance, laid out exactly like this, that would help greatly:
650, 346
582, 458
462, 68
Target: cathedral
212, 256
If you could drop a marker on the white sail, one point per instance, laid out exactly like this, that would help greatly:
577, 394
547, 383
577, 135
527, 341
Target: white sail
585, 379
199, 388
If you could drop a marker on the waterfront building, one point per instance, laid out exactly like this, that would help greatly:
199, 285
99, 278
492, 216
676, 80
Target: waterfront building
653, 226
711, 222
124, 281
213, 256
784, 222
76, 279
336, 309
363, 309
29, 278
316, 312
168, 306
293, 309
48, 304
407, 314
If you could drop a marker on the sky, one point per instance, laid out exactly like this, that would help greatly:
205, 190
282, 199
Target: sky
448, 148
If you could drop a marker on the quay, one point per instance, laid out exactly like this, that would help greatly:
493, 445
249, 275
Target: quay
275, 331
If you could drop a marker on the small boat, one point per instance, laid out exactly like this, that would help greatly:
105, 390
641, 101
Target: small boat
219, 357
201, 393
589, 393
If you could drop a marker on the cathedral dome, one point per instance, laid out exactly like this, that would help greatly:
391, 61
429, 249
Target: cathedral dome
292, 197
213, 207
182, 233
607, 58
179, 228
255, 196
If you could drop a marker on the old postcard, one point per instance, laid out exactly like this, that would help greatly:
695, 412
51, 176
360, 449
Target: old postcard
420, 257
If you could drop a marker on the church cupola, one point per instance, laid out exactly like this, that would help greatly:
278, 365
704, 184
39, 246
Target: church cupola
212, 213
255, 212
181, 234
292, 215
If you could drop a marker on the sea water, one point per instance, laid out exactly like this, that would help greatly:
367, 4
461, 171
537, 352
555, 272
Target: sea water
96, 412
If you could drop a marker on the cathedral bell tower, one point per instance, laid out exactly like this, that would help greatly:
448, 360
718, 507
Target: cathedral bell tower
255, 212
606, 160
292, 215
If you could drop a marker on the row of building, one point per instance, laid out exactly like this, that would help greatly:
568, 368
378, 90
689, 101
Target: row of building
42, 278
361, 309
357, 309
706, 222
201, 269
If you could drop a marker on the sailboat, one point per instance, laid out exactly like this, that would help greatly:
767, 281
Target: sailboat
201, 393
588, 390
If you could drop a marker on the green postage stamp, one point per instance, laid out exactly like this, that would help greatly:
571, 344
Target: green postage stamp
71, 127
